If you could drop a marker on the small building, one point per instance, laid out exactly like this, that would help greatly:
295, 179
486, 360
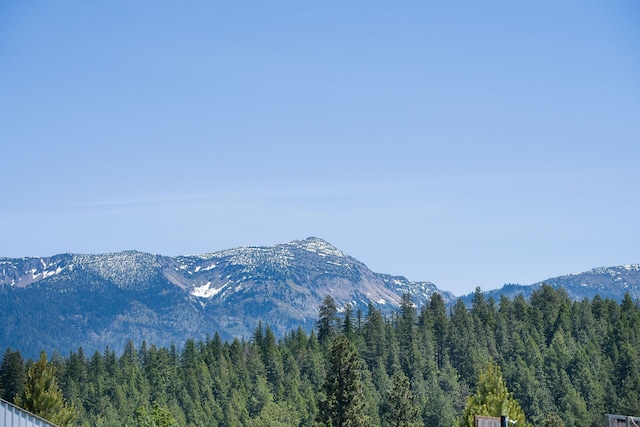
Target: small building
14, 416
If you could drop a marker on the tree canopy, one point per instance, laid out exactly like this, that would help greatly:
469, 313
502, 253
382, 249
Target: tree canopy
42, 396
492, 398
547, 361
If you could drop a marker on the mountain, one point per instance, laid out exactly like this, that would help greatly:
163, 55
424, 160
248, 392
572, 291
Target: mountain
94, 301
71, 300
608, 282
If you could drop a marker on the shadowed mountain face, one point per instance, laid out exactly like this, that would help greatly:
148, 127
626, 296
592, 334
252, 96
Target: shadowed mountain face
66, 301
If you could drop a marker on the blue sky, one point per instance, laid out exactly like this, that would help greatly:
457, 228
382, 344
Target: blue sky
464, 143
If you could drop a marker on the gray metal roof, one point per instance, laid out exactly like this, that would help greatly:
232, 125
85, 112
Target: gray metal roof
13, 416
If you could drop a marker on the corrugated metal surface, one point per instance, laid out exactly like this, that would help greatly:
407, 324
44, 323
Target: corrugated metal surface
12, 416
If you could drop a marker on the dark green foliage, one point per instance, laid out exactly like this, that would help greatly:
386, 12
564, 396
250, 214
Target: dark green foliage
343, 404
566, 363
552, 420
348, 327
12, 375
409, 355
440, 325
400, 407
328, 320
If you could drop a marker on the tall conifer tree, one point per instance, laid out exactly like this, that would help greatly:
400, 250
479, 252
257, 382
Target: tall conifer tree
400, 408
492, 399
344, 401
12, 375
43, 397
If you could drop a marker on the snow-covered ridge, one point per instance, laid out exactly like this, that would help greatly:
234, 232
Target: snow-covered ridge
122, 268
250, 258
619, 274
612, 271
276, 258
320, 247
615, 271
125, 269
22, 272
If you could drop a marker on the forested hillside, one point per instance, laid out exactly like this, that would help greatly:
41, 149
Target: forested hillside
566, 363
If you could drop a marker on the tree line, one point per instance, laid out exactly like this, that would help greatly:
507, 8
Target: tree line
547, 361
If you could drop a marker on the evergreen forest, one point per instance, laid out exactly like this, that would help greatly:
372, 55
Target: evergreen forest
543, 361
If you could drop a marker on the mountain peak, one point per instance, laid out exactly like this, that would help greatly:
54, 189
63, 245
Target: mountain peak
319, 246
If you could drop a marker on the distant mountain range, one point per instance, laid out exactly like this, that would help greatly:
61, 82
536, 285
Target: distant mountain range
608, 282
66, 301
94, 301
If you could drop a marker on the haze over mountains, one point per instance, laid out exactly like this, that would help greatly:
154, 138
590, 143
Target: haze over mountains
69, 300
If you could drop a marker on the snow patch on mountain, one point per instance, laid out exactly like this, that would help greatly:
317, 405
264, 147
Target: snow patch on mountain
207, 291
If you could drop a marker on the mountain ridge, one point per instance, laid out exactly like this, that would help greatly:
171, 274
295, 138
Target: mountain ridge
65, 301
105, 299
607, 282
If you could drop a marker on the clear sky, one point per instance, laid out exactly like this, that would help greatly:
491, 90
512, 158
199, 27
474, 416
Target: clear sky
469, 143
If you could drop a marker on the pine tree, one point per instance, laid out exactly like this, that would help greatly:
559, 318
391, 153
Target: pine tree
552, 420
159, 416
374, 345
492, 399
400, 408
43, 397
344, 401
327, 323
272, 362
348, 328
12, 375
463, 346
446, 398
438, 314
410, 357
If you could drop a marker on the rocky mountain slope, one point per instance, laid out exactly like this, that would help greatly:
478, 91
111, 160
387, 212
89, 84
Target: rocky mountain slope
70, 300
